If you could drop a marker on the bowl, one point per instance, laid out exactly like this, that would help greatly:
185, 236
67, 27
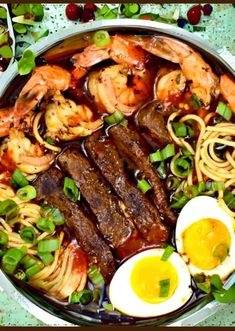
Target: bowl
48, 311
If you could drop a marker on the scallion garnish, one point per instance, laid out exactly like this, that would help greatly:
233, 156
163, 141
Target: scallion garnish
183, 165
27, 261
26, 193
3, 239
161, 170
224, 111
45, 225
108, 306
47, 258
191, 191
18, 179
229, 199
33, 270
180, 129
143, 185
179, 202
162, 154
167, 253
84, 297
164, 288
9, 209
95, 276
116, 117
53, 214
20, 274
172, 183
101, 38
11, 259
48, 245
28, 234
70, 189
214, 186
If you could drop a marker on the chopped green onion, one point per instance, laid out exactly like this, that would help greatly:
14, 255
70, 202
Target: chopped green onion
96, 295
3, 239
180, 202
201, 187
47, 258
108, 306
50, 141
28, 234
161, 170
221, 251
53, 214
143, 185
116, 117
27, 261
11, 260
33, 270
164, 288
124, 122
84, 297
18, 179
3, 251
48, 245
196, 102
180, 129
20, 275
225, 296
131, 9
229, 199
182, 166
70, 189
45, 225
224, 111
167, 253
101, 38
163, 154
214, 186
172, 183
205, 287
26, 193
9, 209
102, 11
216, 282
95, 276
191, 191
110, 15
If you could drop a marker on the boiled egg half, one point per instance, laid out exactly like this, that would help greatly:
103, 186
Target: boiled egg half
205, 238
147, 286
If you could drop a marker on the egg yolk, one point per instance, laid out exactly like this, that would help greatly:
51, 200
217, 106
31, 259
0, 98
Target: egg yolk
206, 243
154, 280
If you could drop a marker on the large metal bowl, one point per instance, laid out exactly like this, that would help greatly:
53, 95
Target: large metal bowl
40, 307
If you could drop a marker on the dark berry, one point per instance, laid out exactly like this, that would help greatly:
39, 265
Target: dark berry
91, 7
88, 15
73, 12
194, 14
207, 9
181, 22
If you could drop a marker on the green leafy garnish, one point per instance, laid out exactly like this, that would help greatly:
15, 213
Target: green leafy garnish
33, 11
27, 62
19, 28
38, 35
6, 52
3, 38
3, 13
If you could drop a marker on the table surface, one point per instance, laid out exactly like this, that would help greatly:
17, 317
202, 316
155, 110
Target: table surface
220, 32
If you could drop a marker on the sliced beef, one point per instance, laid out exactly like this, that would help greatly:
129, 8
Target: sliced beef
49, 187
128, 142
114, 226
145, 216
151, 120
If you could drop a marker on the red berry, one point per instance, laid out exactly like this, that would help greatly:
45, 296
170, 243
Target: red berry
88, 15
91, 7
73, 11
207, 9
194, 14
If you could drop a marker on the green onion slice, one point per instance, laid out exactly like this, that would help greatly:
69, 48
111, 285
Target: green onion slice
229, 199
48, 245
33, 270
161, 170
172, 183
224, 110
45, 225
101, 38
26, 193
167, 253
20, 274
183, 165
9, 209
180, 129
27, 261
180, 202
84, 297
95, 276
3, 239
108, 306
164, 288
28, 234
162, 154
18, 179
70, 189
11, 259
116, 117
53, 214
47, 258
143, 185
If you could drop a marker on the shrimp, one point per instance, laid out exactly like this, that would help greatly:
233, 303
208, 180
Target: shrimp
18, 151
66, 120
119, 50
119, 87
45, 79
227, 87
202, 81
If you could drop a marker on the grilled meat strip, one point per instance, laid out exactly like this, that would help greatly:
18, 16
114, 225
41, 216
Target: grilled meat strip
49, 187
113, 224
128, 142
145, 216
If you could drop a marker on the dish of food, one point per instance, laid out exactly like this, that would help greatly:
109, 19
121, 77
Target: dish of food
117, 175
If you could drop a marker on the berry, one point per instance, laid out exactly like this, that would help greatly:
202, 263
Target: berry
88, 15
194, 14
207, 9
73, 11
91, 7
182, 22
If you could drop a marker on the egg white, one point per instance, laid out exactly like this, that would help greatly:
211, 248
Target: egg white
195, 210
124, 299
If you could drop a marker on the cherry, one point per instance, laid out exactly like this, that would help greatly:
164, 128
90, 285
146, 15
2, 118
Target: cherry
194, 14
91, 7
73, 12
182, 22
207, 9
88, 15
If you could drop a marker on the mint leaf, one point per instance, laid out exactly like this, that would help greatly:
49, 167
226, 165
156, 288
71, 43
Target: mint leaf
27, 62
225, 296
19, 9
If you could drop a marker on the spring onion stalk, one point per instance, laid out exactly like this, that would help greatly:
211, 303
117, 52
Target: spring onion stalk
95, 276
33, 270
84, 297
3, 239
20, 274
70, 189
143, 185
18, 179
9, 209
27, 261
164, 288
11, 259
161, 170
26, 193
180, 202
162, 154
108, 306
191, 191
48, 245
196, 102
47, 258
124, 122
229, 199
172, 183
116, 117
224, 111
167, 253
28, 234
201, 187
45, 225
53, 214
214, 186
101, 38
180, 129
183, 165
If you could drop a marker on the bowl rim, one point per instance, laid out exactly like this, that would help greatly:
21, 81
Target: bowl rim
48, 42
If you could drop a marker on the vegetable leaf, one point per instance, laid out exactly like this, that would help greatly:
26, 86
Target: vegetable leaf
3, 38
3, 13
27, 62
6, 52
19, 28
225, 296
